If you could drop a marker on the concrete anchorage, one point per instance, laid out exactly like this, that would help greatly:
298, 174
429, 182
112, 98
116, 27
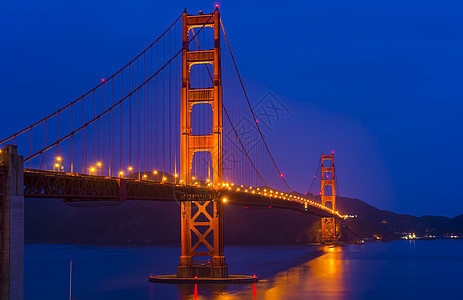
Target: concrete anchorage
12, 223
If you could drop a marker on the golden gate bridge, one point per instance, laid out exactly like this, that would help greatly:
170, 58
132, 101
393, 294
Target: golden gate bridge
174, 124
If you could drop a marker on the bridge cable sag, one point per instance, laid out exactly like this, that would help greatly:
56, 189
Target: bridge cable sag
92, 90
231, 123
252, 111
115, 104
315, 176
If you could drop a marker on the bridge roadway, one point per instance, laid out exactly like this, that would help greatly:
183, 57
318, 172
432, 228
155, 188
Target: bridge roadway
93, 190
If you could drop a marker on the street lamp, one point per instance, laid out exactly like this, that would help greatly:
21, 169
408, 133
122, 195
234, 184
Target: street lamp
156, 178
58, 166
100, 168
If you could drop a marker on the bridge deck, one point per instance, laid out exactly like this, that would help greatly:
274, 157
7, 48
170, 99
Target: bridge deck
97, 190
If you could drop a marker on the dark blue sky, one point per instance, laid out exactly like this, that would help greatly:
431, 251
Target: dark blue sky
379, 82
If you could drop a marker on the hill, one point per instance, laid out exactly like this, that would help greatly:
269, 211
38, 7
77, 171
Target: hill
139, 222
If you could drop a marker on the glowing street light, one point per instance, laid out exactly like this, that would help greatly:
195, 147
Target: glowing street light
121, 173
58, 166
99, 168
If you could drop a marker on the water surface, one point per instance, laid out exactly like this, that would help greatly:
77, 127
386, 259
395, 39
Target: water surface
400, 269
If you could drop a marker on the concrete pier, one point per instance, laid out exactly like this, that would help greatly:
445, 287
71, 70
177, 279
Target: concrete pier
12, 223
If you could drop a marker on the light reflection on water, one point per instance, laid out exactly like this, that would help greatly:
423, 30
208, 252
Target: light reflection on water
321, 276
401, 269
396, 270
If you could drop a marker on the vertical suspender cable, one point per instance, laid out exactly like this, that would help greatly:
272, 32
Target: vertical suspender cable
93, 135
252, 112
72, 140
130, 116
45, 154
120, 125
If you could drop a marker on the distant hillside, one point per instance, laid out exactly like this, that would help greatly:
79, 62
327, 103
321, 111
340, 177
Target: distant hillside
373, 222
139, 222
144, 222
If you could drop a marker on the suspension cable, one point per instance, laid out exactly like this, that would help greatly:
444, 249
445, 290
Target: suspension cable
229, 120
252, 111
337, 182
92, 90
315, 175
115, 104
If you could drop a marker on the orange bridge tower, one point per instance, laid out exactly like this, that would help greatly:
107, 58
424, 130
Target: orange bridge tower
201, 220
328, 194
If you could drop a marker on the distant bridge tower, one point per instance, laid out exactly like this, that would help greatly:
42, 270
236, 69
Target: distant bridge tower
202, 221
328, 194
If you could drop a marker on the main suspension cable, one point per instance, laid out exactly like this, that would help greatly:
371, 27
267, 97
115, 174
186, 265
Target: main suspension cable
92, 90
252, 111
314, 176
115, 104
229, 120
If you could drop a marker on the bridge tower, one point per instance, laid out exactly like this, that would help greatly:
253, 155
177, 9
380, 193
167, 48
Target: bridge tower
328, 194
201, 221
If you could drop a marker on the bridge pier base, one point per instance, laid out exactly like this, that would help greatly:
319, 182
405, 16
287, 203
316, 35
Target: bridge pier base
328, 231
202, 236
12, 224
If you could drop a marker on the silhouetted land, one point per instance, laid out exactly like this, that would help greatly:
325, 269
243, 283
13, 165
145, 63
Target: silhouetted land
138, 222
